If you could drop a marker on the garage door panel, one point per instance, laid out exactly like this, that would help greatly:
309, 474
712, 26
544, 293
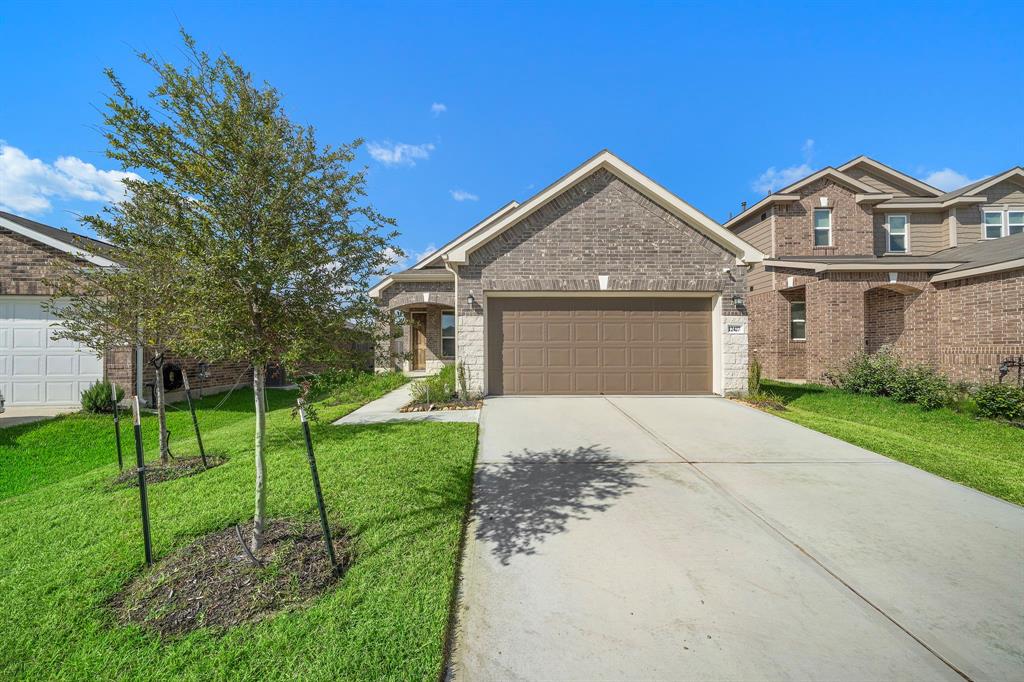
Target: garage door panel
599, 345
60, 365
585, 331
27, 338
587, 358
559, 358
35, 368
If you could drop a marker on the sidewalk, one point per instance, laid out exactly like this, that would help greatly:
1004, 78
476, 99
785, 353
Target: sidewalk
386, 409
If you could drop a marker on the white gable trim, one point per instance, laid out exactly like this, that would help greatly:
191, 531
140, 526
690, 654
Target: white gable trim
995, 180
504, 210
608, 161
887, 170
55, 243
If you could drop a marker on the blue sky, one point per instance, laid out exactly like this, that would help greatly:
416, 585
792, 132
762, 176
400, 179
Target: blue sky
467, 106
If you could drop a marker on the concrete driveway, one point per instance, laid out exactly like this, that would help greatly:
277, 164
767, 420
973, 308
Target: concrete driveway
696, 538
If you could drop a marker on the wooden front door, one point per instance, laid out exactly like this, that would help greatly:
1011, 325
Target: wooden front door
419, 341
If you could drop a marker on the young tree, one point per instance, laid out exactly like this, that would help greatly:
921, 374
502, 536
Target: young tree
134, 303
273, 234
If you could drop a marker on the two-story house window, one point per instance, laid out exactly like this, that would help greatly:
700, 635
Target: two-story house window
896, 233
1002, 223
823, 227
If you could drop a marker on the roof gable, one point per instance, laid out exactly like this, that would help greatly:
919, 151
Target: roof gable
890, 176
77, 245
632, 177
1015, 173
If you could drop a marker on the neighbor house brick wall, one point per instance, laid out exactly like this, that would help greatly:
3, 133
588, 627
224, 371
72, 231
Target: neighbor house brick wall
25, 263
600, 226
981, 324
852, 224
770, 342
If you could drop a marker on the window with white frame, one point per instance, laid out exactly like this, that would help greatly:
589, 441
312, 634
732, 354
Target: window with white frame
1000, 223
993, 224
798, 321
448, 334
1014, 222
896, 231
823, 227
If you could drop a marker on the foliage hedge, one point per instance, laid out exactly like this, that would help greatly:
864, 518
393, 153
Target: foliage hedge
882, 374
96, 398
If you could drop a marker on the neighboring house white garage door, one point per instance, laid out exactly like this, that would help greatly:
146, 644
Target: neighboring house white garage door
36, 369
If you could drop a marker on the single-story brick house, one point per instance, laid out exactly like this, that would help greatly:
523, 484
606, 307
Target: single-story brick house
863, 255
35, 369
602, 283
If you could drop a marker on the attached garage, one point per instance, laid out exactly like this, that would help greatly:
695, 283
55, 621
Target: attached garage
600, 345
35, 368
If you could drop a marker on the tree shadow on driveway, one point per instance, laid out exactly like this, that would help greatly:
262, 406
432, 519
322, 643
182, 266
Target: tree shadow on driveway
531, 495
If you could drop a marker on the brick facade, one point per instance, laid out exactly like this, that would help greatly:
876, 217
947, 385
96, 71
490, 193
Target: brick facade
963, 328
24, 265
393, 352
600, 226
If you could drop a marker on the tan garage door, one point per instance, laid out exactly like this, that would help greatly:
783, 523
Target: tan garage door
599, 345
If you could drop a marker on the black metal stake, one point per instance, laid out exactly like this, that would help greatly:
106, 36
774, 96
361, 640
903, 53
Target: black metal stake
195, 422
316, 488
140, 463
117, 426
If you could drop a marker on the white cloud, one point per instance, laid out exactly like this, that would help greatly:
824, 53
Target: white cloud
463, 195
27, 185
399, 263
430, 250
775, 178
947, 179
437, 108
399, 154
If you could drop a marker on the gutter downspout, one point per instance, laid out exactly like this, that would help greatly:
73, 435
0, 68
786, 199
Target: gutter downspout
448, 267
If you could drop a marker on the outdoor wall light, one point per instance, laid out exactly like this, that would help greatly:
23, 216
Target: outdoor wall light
470, 300
737, 301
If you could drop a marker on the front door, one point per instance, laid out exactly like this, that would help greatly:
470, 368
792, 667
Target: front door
419, 341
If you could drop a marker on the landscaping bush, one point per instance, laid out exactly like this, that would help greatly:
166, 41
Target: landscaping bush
922, 385
873, 373
754, 377
881, 374
1000, 401
439, 388
97, 398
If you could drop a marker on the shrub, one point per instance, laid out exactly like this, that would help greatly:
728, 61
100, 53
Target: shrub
754, 377
439, 388
922, 385
875, 374
97, 398
1000, 401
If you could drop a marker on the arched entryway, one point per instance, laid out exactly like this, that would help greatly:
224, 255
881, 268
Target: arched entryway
884, 314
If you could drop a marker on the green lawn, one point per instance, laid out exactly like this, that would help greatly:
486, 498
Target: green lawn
67, 543
980, 453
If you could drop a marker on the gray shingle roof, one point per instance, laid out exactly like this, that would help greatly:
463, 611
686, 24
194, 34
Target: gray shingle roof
71, 238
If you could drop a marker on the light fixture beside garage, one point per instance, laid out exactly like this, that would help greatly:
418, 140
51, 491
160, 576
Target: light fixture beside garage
737, 301
470, 301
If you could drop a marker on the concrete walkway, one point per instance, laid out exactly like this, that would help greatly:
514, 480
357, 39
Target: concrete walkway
697, 538
386, 409
26, 414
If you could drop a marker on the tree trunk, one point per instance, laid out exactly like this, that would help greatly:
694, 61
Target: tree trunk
161, 412
258, 382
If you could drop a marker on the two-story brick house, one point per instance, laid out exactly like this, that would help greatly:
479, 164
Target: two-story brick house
862, 256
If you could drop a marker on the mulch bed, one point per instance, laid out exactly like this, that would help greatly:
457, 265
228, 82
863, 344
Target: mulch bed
178, 467
213, 584
434, 407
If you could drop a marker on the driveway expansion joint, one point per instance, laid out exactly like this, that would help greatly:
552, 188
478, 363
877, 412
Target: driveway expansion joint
780, 533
